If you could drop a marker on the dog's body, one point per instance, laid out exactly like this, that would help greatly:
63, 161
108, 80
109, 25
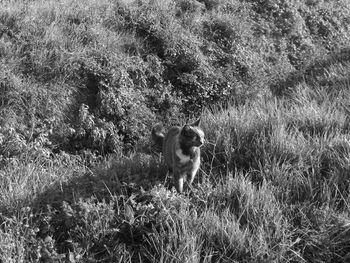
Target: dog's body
181, 151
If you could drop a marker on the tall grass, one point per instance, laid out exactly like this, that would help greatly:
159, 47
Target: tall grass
91, 77
304, 139
273, 188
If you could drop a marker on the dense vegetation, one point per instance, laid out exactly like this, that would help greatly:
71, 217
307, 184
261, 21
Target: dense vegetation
82, 83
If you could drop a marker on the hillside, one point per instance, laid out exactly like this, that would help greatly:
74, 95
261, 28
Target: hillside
82, 83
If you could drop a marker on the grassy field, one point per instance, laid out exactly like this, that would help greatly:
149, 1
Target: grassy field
82, 83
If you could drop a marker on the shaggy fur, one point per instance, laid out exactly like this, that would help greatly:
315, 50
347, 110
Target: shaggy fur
181, 151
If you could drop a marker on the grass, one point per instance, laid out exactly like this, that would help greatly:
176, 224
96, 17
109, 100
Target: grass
83, 81
273, 188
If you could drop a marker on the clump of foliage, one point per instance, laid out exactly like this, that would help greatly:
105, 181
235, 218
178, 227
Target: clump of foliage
133, 63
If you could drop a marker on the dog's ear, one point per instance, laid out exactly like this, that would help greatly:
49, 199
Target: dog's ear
186, 128
196, 123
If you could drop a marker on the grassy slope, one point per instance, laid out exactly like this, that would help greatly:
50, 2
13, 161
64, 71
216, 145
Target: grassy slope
274, 184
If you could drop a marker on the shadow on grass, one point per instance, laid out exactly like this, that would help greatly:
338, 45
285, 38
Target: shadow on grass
140, 171
314, 74
69, 211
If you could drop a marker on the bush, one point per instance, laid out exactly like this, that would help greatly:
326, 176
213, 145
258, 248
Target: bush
150, 61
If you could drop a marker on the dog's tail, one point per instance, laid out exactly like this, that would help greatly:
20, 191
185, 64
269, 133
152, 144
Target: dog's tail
157, 138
